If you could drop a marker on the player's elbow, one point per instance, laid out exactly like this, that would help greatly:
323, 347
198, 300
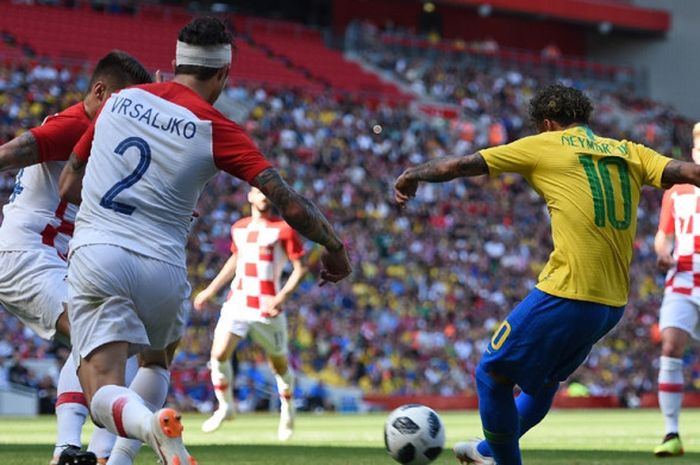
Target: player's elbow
8, 158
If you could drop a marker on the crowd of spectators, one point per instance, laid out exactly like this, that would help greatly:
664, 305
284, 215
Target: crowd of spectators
431, 282
449, 70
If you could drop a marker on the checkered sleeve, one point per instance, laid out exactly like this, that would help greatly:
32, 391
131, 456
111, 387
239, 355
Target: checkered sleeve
234, 248
666, 222
291, 241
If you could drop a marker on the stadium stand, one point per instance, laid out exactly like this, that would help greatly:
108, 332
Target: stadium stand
415, 59
271, 52
305, 49
400, 327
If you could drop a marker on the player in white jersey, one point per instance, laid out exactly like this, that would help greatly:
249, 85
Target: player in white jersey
261, 246
34, 238
152, 149
677, 246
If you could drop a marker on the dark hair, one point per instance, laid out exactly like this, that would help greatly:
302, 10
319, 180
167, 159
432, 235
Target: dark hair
205, 30
562, 104
121, 70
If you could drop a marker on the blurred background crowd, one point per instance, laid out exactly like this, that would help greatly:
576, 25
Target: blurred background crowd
431, 282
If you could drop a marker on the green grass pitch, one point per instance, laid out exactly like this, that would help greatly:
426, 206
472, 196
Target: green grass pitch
566, 437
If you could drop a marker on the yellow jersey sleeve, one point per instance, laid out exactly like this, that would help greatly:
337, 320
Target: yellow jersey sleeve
653, 164
516, 157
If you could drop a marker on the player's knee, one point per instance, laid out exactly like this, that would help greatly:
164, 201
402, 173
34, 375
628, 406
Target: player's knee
63, 325
154, 359
279, 365
219, 354
672, 347
490, 378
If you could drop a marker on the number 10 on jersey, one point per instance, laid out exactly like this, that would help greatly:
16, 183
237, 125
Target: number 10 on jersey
603, 190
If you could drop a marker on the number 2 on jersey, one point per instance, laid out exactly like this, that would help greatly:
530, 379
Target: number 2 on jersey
603, 192
107, 200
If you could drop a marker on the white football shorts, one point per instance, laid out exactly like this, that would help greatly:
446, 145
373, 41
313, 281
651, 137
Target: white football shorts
269, 333
680, 311
33, 287
119, 295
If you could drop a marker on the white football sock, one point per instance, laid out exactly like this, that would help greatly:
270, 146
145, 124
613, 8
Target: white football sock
102, 441
121, 411
71, 408
670, 391
285, 387
222, 379
152, 384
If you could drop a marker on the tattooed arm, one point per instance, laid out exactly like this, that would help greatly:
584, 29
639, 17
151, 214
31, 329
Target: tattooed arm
680, 172
306, 218
20, 152
439, 170
301, 214
71, 181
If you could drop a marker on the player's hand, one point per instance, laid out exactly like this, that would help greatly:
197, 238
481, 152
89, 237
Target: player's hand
664, 262
159, 76
404, 189
201, 299
335, 266
274, 306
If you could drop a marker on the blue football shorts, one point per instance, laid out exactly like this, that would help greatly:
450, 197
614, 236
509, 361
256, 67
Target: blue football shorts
545, 338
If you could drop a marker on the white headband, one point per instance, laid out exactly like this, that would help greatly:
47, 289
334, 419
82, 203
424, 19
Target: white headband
210, 56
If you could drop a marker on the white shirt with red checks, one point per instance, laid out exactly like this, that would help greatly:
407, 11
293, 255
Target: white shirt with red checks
35, 216
263, 248
680, 216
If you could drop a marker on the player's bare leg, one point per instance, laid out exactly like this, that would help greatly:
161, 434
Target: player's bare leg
222, 378
151, 382
671, 383
123, 411
285, 387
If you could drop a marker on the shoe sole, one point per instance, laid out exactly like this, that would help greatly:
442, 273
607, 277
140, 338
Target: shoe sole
171, 425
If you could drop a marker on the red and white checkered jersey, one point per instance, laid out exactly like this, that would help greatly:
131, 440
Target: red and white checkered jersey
151, 150
680, 216
35, 216
264, 247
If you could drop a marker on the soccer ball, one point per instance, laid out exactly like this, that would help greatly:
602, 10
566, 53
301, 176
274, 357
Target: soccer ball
414, 434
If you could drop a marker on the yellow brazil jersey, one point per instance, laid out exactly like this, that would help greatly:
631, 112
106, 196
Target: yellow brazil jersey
591, 186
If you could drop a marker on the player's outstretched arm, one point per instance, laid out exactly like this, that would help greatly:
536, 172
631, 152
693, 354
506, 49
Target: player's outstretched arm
663, 246
20, 152
306, 218
680, 172
439, 170
225, 276
298, 271
71, 181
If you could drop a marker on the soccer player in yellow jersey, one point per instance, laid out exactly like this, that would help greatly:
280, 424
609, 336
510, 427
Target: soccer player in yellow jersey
591, 185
